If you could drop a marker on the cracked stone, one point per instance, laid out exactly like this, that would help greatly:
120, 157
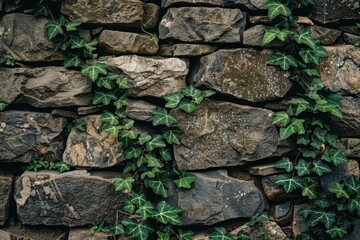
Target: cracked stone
5, 193
327, 36
21, 232
185, 50
251, 4
350, 147
140, 110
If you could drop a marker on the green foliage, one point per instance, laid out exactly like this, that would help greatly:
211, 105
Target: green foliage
220, 233
36, 164
3, 105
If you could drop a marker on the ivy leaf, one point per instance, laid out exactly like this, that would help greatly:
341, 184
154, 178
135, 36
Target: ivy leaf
220, 233
323, 203
209, 93
71, 26
130, 166
104, 98
155, 142
71, 60
113, 130
289, 184
163, 235
110, 118
138, 199
145, 210
3, 105
53, 29
122, 82
282, 60
339, 158
352, 184
92, 71
304, 37
310, 191
354, 204
129, 207
324, 106
190, 91
339, 191
337, 232
157, 186
163, 117
77, 42
296, 126
173, 99
153, 161
118, 230
62, 167
284, 163
274, 32
141, 161
303, 167
303, 140
132, 152
129, 134
276, 8
172, 136
124, 183
184, 235
312, 72
328, 219
165, 153
187, 106
122, 101
320, 134
168, 214
281, 119
129, 123
41, 10
243, 236
144, 137
309, 56
320, 167
138, 230
186, 180
150, 174
198, 97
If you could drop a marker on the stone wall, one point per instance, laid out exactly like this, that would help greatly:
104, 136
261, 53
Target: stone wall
229, 143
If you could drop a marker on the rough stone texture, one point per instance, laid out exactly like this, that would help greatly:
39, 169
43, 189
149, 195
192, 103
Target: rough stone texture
92, 148
185, 50
216, 197
299, 224
349, 124
254, 20
64, 113
151, 76
50, 198
284, 213
327, 36
20, 232
45, 87
271, 229
89, 110
254, 37
27, 135
151, 15
85, 234
116, 42
140, 110
24, 38
274, 192
201, 24
341, 70
252, 4
221, 134
326, 11
354, 235
351, 29
263, 170
350, 147
351, 39
5, 192
242, 73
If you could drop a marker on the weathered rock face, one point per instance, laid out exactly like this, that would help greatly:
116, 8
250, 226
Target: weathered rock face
349, 124
51, 198
263, 170
252, 4
222, 134
284, 213
351, 39
24, 38
85, 234
350, 147
45, 87
27, 135
326, 11
201, 24
273, 191
5, 192
254, 37
151, 15
92, 148
217, 197
151, 76
341, 70
140, 110
116, 42
327, 36
271, 229
185, 50
242, 73
20, 232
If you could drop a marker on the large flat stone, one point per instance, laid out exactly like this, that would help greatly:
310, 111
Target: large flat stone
45, 87
221, 134
202, 24
327, 36
140, 110
349, 124
340, 71
185, 50
151, 76
252, 4
74, 198
92, 148
242, 73
85, 234
255, 35
24, 38
5, 193
20, 232
216, 197
27, 135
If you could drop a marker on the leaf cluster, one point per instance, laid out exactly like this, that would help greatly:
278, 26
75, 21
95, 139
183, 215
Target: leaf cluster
36, 164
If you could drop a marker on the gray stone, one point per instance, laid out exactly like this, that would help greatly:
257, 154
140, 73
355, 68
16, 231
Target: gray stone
92, 148
284, 213
45, 87
116, 42
50, 198
254, 37
185, 50
5, 193
221, 134
242, 73
85, 234
252, 4
27, 135
263, 170
216, 197
327, 36
20, 232
350, 29
299, 224
151, 76
350, 147
340, 71
140, 110
24, 38
326, 11
151, 15
351, 39
64, 113
349, 124
89, 110
201, 24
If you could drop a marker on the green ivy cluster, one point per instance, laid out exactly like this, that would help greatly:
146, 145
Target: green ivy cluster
40, 163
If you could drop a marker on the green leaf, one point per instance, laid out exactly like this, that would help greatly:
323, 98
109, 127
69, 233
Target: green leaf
303, 167
157, 186
144, 137
276, 8
339, 191
130, 134
353, 185
184, 235
168, 214
71, 60
141, 161
320, 167
198, 97
41, 10
122, 82
172, 136
312, 72
138, 230
190, 91
153, 161
145, 210
3, 105
310, 191
186, 180
354, 204
309, 56
303, 140
285, 163
71, 26
77, 42
323, 203
129, 207
187, 105
289, 184
243, 236
104, 98
282, 60
173, 99
124, 183
163, 117
296, 126
118, 230
209, 93
53, 29
339, 158
92, 71
155, 142
113, 130
220, 233
129, 123
130, 166
304, 37
273, 32
324, 106
132, 152
138, 199
166, 154
320, 134
281, 119
62, 167
110, 118
150, 174
163, 235
122, 101
335, 232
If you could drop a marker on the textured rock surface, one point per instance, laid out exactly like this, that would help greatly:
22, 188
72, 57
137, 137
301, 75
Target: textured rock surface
327, 36
349, 124
45, 87
85, 234
92, 148
326, 11
140, 110
20, 232
50, 198
185, 50
299, 224
252, 4
116, 42
217, 197
24, 38
151, 76
26, 135
201, 24
254, 37
263, 170
271, 229
284, 213
274, 192
242, 73
341, 70
222, 134
351, 39
350, 147
5, 192
151, 15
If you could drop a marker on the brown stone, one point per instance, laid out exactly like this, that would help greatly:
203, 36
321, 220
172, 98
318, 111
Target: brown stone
274, 192
86, 234
21, 232
140, 110
254, 37
92, 148
350, 147
263, 170
327, 36
5, 193
151, 15
251, 4
299, 224
64, 113
185, 50
89, 110
271, 229
265, 20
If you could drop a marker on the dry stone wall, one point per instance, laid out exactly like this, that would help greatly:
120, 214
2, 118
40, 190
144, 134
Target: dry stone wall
229, 143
